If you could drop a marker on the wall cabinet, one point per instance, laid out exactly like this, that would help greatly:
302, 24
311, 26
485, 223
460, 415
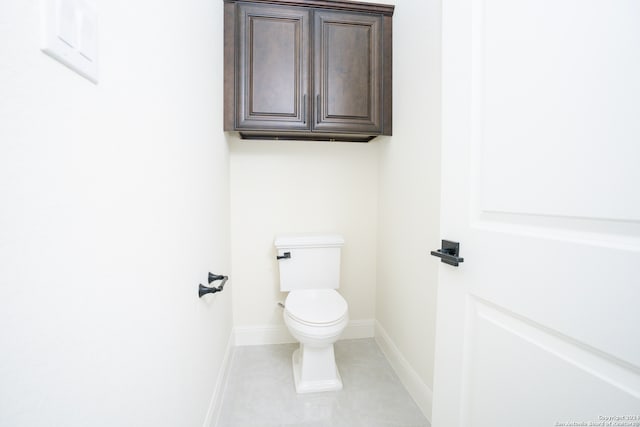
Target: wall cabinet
314, 69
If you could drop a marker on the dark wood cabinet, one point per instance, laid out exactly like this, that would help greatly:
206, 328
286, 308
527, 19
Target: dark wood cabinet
314, 69
347, 72
273, 67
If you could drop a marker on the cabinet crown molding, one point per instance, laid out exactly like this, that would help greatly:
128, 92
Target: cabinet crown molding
384, 9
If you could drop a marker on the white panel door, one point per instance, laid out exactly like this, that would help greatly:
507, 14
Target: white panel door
540, 326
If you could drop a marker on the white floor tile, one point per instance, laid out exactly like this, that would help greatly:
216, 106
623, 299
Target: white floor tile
260, 391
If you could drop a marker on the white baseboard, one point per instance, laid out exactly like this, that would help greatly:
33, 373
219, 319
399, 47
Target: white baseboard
262, 335
213, 413
419, 391
357, 329
279, 334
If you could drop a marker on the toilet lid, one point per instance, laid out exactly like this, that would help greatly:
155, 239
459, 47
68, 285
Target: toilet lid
316, 305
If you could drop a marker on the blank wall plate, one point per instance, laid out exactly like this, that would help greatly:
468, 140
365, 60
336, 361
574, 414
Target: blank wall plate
70, 35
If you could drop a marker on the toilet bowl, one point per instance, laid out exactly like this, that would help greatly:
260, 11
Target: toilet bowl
314, 312
316, 318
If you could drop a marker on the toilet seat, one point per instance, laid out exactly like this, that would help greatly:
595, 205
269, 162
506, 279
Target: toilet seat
316, 307
318, 326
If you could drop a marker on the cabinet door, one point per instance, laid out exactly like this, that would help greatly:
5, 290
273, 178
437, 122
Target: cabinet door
348, 72
273, 68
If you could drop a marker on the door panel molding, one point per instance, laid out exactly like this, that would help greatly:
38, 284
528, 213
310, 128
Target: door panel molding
608, 368
569, 360
621, 231
542, 117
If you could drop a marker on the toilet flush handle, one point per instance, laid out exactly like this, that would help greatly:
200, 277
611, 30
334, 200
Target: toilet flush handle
286, 255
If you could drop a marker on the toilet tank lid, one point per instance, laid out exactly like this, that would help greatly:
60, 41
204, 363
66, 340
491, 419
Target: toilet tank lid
315, 240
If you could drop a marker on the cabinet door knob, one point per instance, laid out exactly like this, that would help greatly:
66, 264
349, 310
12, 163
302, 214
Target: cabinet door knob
318, 107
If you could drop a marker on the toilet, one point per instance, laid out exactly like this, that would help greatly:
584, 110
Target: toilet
315, 313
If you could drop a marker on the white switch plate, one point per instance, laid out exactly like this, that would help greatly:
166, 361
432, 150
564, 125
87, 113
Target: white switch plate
70, 34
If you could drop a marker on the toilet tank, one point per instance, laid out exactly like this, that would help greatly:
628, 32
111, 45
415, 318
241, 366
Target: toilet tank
313, 262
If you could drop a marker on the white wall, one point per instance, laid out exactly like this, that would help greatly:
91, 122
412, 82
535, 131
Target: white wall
284, 187
409, 200
114, 206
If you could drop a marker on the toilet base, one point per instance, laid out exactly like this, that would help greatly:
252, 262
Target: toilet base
315, 370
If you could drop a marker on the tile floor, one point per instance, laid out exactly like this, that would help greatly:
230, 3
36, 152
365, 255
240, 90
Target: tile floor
260, 391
